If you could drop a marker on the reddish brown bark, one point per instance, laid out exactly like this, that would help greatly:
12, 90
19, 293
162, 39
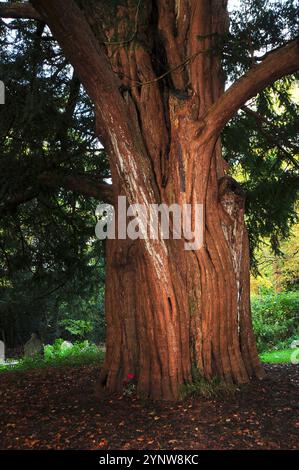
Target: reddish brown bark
153, 72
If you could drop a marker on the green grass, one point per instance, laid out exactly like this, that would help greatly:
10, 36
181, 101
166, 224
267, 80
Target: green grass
277, 357
87, 358
96, 357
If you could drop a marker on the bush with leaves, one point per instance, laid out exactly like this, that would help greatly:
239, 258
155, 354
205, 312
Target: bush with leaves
56, 355
57, 349
275, 319
78, 328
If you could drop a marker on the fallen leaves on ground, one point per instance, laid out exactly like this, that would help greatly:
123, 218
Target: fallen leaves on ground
57, 409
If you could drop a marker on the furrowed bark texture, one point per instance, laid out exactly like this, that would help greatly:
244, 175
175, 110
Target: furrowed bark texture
153, 72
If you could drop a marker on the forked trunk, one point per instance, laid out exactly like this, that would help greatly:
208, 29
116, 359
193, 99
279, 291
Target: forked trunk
153, 72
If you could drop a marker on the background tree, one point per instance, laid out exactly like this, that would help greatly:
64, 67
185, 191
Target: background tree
50, 165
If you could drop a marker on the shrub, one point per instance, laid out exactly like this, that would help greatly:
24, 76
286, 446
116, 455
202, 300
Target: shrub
57, 350
275, 319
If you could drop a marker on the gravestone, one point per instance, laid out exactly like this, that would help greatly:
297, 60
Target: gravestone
33, 347
66, 345
2, 352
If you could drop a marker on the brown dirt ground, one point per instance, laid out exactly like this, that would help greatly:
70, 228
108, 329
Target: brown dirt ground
56, 409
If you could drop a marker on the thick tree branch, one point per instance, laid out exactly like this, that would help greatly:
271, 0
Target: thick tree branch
77, 183
280, 62
17, 199
260, 120
18, 10
70, 28
116, 115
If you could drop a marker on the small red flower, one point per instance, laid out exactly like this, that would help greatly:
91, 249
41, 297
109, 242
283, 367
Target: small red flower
130, 376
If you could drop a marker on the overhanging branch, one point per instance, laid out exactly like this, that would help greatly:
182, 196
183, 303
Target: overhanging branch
80, 184
18, 10
278, 63
70, 28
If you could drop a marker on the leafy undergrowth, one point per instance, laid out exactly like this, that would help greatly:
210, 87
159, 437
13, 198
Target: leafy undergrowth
56, 408
275, 319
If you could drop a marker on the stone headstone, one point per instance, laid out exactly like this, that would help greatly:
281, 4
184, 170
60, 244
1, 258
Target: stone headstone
2, 93
33, 347
2, 352
295, 353
66, 345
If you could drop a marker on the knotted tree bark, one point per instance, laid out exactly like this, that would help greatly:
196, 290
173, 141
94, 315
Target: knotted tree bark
153, 72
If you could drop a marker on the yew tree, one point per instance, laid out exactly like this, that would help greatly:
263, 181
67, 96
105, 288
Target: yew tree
153, 70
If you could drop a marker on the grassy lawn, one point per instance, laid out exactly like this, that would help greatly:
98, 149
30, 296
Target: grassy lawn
277, 357
96, 357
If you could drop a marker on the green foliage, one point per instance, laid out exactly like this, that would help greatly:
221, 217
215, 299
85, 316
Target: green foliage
262, 146
275, 319
84, 317
77, 327
280, 271
57, 350
257, 26
52, 270
53, 350
262, 158
277, 357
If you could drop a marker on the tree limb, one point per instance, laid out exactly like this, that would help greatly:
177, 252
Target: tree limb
281, 61
81, 184
77, 183
116, 116
18, 10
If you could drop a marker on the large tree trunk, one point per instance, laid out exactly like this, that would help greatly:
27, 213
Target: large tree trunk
190, 313
153, 72
171, 312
